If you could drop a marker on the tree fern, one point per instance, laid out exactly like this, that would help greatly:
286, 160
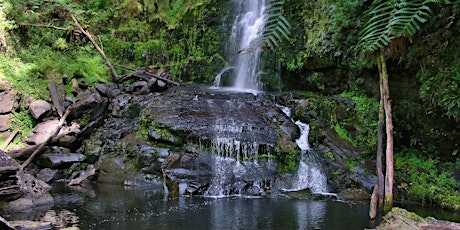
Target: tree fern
388, 19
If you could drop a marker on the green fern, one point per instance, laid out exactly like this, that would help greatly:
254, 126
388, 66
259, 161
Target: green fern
392, 19
277, 28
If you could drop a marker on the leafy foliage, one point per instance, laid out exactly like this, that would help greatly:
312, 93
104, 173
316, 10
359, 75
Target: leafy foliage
424, 179
440, 90
5, 24
391, 19
277, 28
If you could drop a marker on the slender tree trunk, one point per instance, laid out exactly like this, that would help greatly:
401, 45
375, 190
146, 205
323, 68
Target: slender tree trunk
389, 131
377, 200
379, 162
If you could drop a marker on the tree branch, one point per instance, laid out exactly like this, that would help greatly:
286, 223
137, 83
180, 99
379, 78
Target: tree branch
9, 139
54, 133
107, 62
44, 26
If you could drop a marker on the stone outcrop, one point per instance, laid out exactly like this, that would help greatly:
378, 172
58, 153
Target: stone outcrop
170, 135
19, 190
9, 182
194, 140
399, 218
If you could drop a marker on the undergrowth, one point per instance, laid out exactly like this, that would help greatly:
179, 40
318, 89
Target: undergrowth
427, 180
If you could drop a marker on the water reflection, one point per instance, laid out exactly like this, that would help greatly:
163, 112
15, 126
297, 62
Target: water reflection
310, 215
113, 207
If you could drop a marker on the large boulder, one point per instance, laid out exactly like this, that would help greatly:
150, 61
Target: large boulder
20, 190
41, 132
399, 218
35, 194
5, 122
8, 102
40, 109
9, 182
87, 106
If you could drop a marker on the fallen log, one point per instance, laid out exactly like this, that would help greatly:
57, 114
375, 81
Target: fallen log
139, 73
125, 67
9, 139
91, 170
57, 97
101, 52
161, 78
54, 133
44, 26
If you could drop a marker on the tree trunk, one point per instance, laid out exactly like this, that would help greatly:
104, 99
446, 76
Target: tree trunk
374, 203
379, 162
389, 131
377, 200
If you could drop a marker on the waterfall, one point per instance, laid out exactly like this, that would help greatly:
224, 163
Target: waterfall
237, 168
309, 173
249, 22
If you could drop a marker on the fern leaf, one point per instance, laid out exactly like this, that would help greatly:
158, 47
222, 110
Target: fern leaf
388, 19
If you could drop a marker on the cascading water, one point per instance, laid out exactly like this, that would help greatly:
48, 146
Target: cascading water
248, 23
309, 173
236, 163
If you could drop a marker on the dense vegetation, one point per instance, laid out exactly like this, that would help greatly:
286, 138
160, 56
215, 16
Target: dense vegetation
39, 42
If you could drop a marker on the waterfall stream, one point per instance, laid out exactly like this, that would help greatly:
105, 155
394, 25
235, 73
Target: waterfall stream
237, 169
309, 173
247, 25
235, 159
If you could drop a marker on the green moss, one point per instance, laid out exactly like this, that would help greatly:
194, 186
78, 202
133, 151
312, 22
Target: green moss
24, 122
287, 156
404, 212
342, 133
330, 155
148, 124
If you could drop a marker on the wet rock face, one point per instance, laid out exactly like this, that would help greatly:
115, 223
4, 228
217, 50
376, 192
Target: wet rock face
212, 114
184, 136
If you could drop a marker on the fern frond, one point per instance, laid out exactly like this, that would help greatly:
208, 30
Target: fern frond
388, 19
276, 30
277, 27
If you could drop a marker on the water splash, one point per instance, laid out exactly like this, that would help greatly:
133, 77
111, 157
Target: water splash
310, 175
217, 81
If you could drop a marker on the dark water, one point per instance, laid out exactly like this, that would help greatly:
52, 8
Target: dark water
114, 207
